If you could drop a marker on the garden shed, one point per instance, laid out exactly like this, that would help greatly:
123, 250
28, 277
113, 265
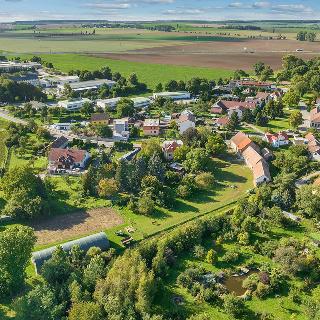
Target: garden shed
99, 240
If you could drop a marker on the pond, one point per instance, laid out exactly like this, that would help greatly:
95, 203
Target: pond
234, 284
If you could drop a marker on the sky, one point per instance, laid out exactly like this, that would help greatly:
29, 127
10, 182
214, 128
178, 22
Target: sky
215, 10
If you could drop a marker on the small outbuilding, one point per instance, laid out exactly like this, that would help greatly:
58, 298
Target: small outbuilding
99, 240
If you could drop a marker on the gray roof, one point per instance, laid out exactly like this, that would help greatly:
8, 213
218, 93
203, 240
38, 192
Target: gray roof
91, 84
99, 240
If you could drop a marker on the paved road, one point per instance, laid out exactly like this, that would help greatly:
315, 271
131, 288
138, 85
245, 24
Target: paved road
305, 115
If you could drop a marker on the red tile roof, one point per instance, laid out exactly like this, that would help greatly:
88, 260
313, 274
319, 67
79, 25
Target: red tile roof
225, 104
74, 155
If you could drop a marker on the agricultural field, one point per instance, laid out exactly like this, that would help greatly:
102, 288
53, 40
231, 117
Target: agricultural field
149, 73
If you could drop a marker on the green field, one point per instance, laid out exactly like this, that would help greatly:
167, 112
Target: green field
148, 73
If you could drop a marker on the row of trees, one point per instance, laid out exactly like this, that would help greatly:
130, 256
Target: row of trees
306, 36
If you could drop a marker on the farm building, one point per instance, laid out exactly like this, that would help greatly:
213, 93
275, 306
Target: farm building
88, 85
73, 104
99, 240
10, 66
181, 95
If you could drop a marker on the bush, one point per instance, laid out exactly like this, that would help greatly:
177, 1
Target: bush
145, 205
233, 305
205, 180
263, 290
231, 257
199, 252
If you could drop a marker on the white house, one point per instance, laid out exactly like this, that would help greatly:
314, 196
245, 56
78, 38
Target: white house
72, 105
277, 139
121, 126
185, 125
55, 80
168, 148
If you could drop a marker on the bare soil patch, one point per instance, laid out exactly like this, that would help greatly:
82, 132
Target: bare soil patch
68, 226
240, 54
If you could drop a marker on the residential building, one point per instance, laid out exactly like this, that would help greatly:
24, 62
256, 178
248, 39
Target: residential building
222, 122
88, 85
67, 159
100, 119
313, 146
151, 127
250, 152
240, 142
187, 115
60, 143
315, 117
226, 106
179, 95
121, 126
73, 105
277, 139
169, 147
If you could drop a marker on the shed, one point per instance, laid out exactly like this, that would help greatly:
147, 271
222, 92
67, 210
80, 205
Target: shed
99, 240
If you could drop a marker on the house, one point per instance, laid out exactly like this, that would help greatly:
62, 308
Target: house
250, 152
169, 147
175, 96
87, 85
60, 143
187, 115
249, 83
222, 122
224, 106
313, 146
74, 104
315, 117
121, 126
236, 109
277, 139
151, 127
177, 167
240, 142
258, 165
185, 125
100, 119
67, 159
98, 240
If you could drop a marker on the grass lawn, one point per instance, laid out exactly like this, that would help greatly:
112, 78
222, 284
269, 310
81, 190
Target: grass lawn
277, 124
280, 306
149, 73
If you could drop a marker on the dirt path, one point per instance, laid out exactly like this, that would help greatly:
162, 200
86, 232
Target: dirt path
64, 227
